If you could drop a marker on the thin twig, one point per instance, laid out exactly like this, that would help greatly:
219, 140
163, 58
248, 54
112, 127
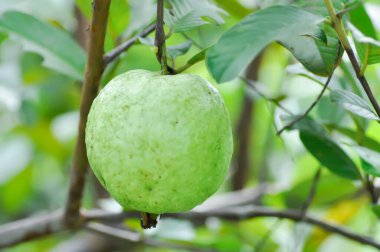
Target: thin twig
371, 189
159, 41
90, 88
313, 190
192, 40
262, 95
261, 243
110, 56
299, 118
325, 87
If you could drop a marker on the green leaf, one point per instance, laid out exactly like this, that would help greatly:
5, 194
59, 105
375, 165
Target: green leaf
368, 48
364, 34
146, 41
360, 19
187, 15
234, 7
353, 103
376, 210
142, 13
318, 6
59, 50
3, 37
370, 160
292, 27
369, 168
178, 50
327, 191
197, 57
316, 140
366, 141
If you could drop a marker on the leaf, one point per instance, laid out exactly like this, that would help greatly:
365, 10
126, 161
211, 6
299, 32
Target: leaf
298, 69
197, 57
327, 191
376, 210
366, 141
3, 37
316, 140
368, 48
370, 160
187, 15
318, 6
290, 26
141, 14
234, 7
369, 168
360, 19
178, 50
364, 34
329, 112
353, 103
59, 50
146, 41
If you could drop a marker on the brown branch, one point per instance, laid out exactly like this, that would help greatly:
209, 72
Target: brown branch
340, 30
159, 41
110, 56
20, 231
250, 212
80, 31
90, 88
136, 237
31, 228
362, 79
243, 158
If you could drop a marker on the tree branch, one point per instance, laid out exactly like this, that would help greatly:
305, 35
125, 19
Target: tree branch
110, 56
243, 167
136, 237
20, 231
31, 228
94, 70
250, 212
339, 28
159, 41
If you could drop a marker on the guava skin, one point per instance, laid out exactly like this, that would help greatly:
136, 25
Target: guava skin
159, 144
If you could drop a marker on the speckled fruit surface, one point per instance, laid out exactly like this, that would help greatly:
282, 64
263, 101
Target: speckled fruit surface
158, 143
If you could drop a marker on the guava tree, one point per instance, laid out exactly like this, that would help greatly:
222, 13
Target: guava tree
296, 81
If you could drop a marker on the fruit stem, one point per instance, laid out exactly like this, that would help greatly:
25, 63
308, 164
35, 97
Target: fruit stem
149, 220
159, 41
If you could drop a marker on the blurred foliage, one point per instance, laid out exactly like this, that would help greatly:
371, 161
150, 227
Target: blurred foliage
39, 113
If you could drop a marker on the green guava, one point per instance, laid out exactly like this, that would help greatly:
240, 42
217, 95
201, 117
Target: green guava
157, 143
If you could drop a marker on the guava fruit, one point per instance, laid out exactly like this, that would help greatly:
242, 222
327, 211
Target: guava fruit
159, 143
